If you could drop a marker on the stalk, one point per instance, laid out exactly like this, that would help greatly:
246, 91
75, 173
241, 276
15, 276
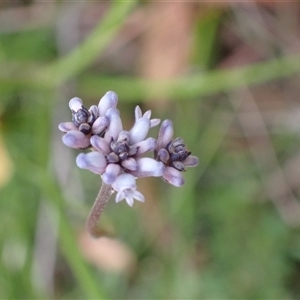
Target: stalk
97, 209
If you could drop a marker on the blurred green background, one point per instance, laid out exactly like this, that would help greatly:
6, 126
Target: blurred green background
227, 74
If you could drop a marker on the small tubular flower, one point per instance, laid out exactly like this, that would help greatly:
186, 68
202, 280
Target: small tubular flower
125, 186
147, 167
173, 154
141, 126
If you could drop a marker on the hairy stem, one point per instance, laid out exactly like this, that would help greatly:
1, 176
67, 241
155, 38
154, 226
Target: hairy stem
97, 209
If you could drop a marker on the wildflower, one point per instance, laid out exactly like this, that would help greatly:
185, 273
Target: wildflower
125, 186
117, 155
87, 122
173, 154
142, 125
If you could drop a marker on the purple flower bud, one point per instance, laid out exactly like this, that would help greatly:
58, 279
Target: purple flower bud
100, 144
109, 100
148, 167
173, 176
111, 173
67, 126
76, 139
165, 134
100, 125
93, 161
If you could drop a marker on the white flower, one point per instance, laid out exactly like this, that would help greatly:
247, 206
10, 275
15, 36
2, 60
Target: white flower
125, 186
141, 126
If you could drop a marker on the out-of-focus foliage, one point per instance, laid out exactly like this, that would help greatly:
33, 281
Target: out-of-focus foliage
228, 77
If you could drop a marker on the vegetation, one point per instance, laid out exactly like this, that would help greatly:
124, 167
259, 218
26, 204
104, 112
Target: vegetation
228, 77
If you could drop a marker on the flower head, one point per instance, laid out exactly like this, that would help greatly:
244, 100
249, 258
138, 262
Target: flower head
123, 150
173, 154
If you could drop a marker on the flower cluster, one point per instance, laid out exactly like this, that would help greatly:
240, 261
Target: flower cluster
117, 155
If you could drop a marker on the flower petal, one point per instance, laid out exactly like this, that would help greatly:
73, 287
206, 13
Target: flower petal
111, 173
154, 122
139, 131
75, 104
109, 100
147, 114
131, 194
100, 144
76, 139
100, 125
93, 161
67, 126
138, 196
165, 134
191, 161
148, 167
120, 196
137, 113
173, 177
129, 200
